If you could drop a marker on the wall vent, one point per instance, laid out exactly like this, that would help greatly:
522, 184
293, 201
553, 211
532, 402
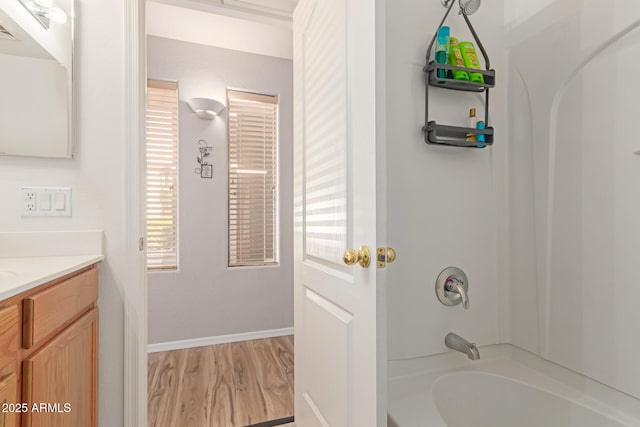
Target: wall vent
5, 34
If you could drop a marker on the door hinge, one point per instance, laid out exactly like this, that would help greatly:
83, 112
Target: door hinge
384, 256
141, 244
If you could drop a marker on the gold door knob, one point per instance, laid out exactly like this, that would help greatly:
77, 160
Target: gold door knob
362, 257
391, 255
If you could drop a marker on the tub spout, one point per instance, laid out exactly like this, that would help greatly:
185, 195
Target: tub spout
457, 343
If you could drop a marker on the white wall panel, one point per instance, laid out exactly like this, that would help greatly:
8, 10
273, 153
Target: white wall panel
585, 186
443, 202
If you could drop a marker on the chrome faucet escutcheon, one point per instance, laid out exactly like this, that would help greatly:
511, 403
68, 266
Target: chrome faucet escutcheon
452, 287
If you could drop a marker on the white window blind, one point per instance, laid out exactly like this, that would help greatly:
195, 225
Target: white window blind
162, 175
252, 136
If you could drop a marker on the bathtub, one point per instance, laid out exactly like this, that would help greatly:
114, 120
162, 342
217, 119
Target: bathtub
507, 387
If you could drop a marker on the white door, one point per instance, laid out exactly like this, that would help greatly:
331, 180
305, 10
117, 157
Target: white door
340, 377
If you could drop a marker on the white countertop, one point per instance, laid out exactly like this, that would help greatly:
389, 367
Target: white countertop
18, 275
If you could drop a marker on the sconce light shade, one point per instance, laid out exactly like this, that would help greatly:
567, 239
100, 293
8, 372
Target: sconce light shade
206, 108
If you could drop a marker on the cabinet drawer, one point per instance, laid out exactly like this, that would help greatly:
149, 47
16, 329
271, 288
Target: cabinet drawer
8, 335
50, 309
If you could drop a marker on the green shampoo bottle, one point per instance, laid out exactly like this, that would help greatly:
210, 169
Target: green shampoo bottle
470, 58
455, 59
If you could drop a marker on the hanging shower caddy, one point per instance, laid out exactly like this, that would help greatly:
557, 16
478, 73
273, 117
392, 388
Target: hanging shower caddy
439, 134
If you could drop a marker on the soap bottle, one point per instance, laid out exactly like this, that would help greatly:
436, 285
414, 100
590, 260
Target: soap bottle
442, 49
471, 123
455, 59
480, 137
470, 58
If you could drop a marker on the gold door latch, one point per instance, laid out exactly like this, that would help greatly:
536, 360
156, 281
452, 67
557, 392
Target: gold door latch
361, 256
384, 256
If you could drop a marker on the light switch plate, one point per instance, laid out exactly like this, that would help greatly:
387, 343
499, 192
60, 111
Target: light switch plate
46, 201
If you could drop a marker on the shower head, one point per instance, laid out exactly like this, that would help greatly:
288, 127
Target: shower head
469, 7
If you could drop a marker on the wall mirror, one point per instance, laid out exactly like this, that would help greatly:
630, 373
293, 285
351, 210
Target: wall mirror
36, 78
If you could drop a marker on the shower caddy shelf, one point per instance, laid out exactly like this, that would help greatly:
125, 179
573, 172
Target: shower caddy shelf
439, 134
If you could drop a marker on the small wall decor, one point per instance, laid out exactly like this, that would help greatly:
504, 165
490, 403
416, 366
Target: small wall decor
205, 170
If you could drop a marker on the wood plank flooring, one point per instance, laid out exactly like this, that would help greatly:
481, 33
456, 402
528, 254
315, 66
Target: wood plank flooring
226, 385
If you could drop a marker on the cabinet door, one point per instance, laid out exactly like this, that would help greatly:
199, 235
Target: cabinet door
8, 386
60, 380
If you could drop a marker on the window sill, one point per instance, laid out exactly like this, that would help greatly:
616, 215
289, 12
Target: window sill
160, 271
252, 267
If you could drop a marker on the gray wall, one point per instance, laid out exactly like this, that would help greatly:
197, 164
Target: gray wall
205, 298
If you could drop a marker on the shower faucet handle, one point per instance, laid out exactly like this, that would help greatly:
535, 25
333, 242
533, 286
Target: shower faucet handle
455, 285
452, 287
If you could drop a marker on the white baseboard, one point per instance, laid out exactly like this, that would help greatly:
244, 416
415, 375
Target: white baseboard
221, 339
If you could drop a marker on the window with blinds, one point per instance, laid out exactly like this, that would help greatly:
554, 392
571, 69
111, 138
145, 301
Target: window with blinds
162, 175
252, 139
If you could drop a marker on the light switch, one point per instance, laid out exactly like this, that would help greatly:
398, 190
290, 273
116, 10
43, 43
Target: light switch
59, 201
44, 202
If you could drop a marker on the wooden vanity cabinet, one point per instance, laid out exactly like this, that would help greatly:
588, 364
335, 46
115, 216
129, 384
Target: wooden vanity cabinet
49, 353
63, 372
9, 346
8, 395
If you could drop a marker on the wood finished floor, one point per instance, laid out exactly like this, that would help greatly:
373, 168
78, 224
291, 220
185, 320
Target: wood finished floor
226, 385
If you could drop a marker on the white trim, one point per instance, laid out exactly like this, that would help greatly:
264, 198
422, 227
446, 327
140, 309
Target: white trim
135, 291
220, 339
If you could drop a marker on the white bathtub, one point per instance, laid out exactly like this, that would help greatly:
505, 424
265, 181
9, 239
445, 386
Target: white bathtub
506, 388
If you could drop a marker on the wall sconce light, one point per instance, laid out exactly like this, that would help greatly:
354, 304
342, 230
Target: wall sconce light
45, 12
206, 108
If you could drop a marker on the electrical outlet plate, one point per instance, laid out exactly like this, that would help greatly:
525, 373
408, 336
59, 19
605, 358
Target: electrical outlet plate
29, 200
46, 201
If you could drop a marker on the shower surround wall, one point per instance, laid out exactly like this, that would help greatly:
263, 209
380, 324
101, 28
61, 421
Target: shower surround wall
574, 204
205, 298
444, 203
545, 222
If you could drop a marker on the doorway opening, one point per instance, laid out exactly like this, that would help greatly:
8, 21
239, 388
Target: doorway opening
219, 162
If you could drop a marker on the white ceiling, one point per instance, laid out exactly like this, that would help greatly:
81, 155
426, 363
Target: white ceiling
244, 25
276, 7
269, 11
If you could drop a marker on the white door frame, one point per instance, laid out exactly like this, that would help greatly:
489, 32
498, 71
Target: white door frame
135, 280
